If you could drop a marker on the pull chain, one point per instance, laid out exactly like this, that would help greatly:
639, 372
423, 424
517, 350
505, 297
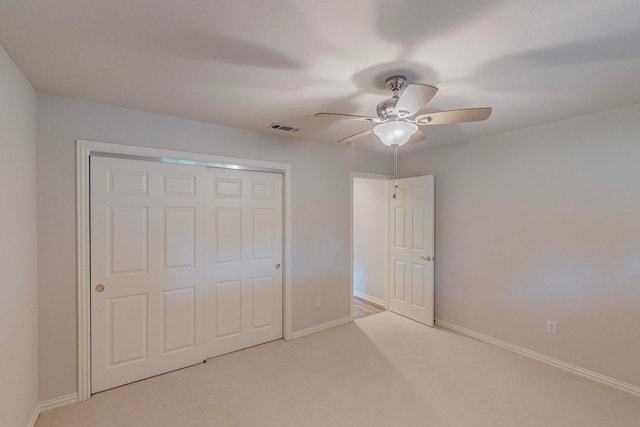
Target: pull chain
395, 169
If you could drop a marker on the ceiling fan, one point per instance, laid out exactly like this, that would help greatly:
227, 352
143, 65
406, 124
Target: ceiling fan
397, 122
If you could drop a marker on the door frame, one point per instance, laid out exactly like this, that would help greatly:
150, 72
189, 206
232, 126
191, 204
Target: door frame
364, 175
84, 149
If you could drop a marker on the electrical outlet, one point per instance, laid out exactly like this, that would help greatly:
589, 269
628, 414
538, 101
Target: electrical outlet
552, 327
336, 244
318, 301
361, 277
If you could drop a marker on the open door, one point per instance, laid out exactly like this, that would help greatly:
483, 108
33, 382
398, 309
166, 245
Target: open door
411, 248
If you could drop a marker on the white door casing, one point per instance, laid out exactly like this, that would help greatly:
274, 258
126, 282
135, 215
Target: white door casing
411, 251
189, 258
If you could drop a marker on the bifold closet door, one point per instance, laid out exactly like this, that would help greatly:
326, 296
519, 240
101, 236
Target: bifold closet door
148, 269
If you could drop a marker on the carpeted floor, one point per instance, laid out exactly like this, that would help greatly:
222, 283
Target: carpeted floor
382, 370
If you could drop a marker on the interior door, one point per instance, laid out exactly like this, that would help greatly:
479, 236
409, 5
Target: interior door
245, 297
411, 252
148, 269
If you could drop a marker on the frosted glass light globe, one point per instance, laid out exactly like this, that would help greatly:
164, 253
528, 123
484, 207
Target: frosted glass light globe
395, 133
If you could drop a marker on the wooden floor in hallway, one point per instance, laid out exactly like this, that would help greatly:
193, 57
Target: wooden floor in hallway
363, 308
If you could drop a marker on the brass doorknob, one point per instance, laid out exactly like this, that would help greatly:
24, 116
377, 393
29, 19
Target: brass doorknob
277, 266
100, 288
426, 258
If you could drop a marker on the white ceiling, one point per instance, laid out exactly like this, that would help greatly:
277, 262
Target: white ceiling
248, 63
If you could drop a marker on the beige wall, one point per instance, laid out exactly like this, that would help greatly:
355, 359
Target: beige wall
370, 238
18, 286
544, 223
321, 206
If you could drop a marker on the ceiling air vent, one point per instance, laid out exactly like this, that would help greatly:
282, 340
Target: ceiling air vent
285, 128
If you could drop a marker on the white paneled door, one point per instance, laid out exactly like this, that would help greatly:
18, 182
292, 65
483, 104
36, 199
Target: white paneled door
245, 276
158, 238
411, 251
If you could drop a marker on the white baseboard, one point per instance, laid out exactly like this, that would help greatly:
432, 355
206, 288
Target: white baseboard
370, 298
594, 376
318, 328
58, 402
34, 416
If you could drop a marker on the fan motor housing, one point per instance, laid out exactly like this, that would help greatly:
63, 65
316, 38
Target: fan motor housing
385, 108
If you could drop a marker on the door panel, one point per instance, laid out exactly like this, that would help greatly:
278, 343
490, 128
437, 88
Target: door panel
400, 227
178, 185
246, 212
127, 182
418, 279
128, 330
179, 319
263, 242
263, 294
226, 309
399, 282
412, 249
127, 239
417, 228
179, 238
227, 236
145, 251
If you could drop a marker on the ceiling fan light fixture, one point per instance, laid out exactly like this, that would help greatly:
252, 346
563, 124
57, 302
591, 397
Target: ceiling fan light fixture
399, 115
395, 133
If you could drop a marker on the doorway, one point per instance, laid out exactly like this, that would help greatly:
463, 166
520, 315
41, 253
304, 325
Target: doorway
393, 225
370, 242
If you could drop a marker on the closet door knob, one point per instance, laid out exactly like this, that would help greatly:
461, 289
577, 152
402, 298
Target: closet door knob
100, 288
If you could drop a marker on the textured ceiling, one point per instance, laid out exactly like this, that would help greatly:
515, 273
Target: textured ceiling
248, 63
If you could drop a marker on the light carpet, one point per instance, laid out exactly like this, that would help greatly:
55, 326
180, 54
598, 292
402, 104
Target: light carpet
382, 370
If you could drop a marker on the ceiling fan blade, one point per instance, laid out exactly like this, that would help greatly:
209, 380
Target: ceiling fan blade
349, 117
356, 136
418, 136
413, 98
454, 116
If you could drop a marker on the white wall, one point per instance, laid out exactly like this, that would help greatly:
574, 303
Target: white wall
544, 223
18, 287
321, 208
370, 238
